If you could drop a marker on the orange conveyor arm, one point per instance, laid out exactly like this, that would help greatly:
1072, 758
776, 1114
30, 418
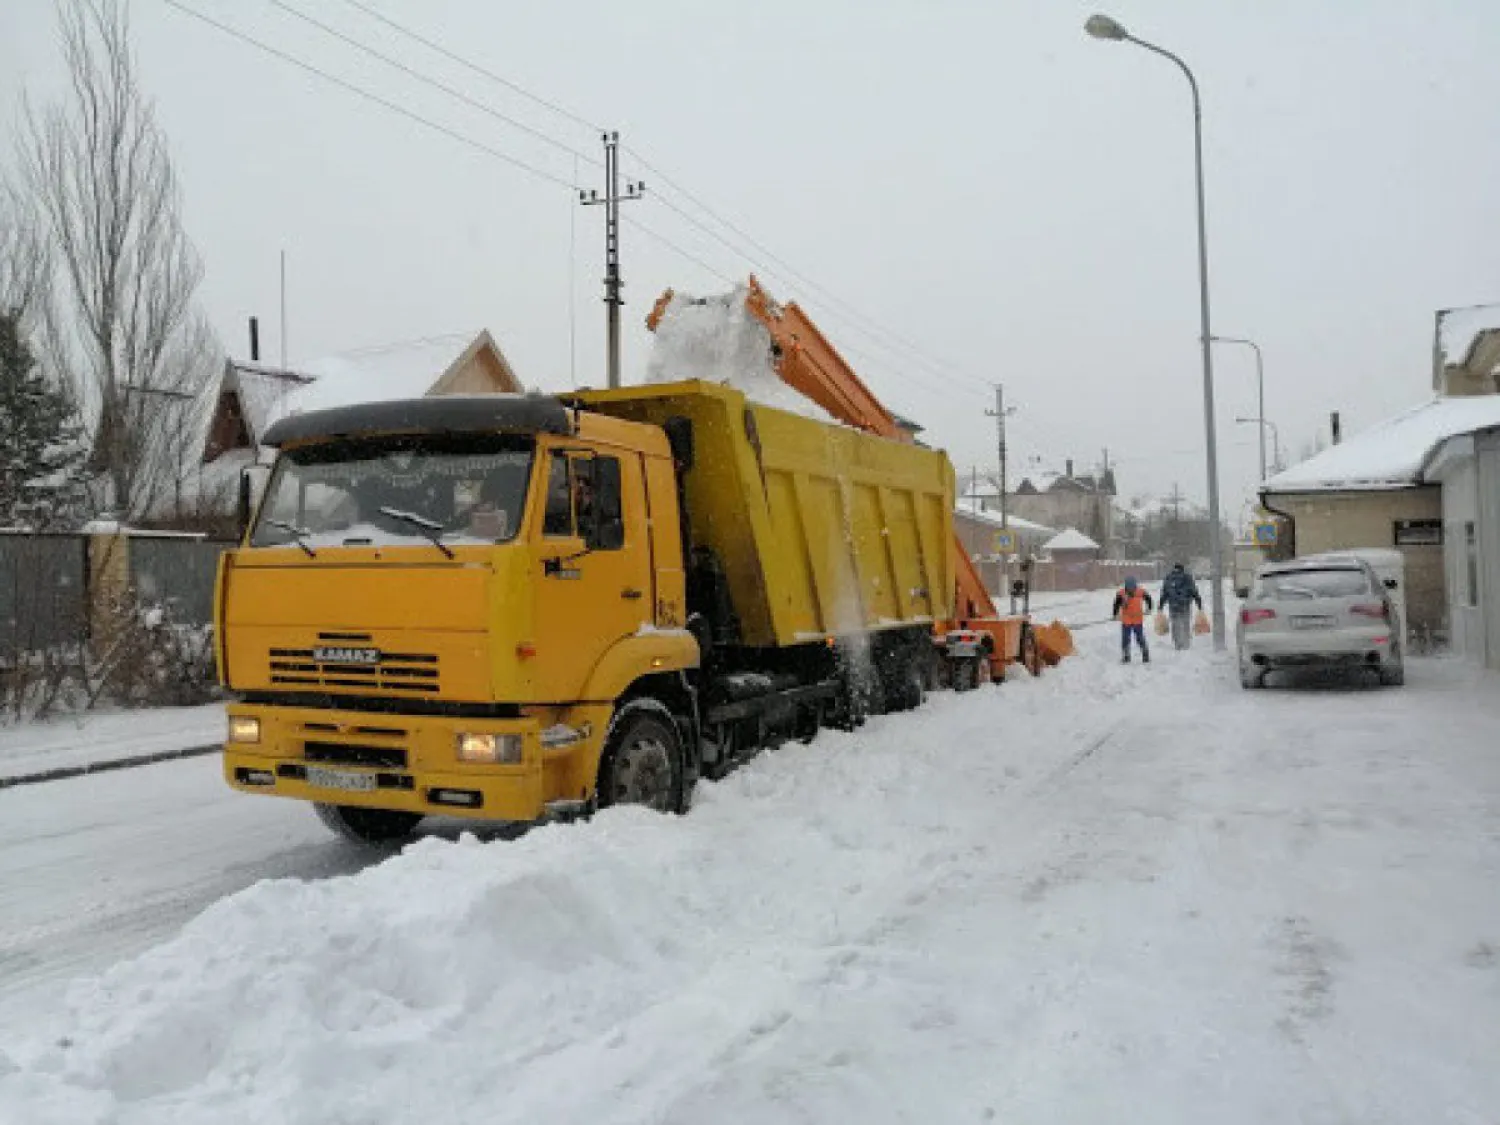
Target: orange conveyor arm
809, 363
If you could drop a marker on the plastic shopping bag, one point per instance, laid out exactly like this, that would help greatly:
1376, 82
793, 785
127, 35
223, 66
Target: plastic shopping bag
1201, 625
1162, 626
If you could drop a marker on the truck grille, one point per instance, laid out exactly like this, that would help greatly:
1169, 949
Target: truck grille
408, 673
352, 754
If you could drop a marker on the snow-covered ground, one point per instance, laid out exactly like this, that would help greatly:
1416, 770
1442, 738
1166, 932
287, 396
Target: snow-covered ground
106, 736
1111, 894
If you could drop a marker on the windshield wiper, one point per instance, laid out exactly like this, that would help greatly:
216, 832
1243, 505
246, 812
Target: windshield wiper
300, 534
433, 531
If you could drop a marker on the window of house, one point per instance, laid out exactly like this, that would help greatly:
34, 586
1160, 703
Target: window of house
1471, 551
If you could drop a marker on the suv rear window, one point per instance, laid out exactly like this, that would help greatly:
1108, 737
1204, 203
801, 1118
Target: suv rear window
1333, 583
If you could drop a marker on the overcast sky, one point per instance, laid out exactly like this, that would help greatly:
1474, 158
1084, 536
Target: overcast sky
981, 179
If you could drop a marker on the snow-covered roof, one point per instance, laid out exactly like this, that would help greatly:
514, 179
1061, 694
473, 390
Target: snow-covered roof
408, 369
261, 391
1459, 330
972, 509
1070, 540
1391, 454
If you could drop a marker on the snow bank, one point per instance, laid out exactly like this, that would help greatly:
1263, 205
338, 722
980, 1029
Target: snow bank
716, 339
1393, 453
584, 972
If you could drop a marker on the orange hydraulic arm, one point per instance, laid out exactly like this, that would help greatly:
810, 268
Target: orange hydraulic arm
809, 363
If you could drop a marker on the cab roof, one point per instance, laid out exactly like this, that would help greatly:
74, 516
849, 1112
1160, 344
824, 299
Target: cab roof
441, 414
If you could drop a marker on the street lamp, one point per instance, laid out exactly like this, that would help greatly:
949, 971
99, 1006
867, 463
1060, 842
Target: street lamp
1103, 27
1260, 384
1275, 438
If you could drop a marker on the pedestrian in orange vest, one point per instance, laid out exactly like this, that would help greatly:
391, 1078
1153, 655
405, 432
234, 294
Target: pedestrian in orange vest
1131, 606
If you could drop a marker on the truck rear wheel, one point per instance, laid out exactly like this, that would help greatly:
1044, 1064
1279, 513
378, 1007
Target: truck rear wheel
377, 829
642, 763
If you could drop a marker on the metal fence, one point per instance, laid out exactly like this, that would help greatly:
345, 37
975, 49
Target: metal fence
43, 592
53, 587
178, 572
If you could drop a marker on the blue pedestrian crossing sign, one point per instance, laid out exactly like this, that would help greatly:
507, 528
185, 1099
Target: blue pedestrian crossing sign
1265, 533
1005, 542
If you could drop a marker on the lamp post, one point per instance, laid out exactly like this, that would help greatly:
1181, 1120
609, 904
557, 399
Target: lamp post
1260, 386
1103, 27
1275, 440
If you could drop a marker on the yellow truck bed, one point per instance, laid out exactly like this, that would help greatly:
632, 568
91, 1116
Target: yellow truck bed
821, 530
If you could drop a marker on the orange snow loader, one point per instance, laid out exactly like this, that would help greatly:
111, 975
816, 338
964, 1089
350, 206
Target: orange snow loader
979, 641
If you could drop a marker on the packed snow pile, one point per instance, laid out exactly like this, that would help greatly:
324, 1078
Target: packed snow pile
718, 340
1113, 893
1393, 453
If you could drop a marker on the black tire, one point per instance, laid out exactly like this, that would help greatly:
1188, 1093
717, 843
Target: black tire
1252, 678
642, 763
966, 674
1393, 676
903, 685
376, 829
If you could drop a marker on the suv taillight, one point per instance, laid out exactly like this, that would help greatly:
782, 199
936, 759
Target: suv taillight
1251, 616
1381, 611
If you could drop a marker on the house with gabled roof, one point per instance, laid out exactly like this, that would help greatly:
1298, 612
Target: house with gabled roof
1412, 482
252, 396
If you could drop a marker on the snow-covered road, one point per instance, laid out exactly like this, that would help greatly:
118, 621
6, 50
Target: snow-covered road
1110, 894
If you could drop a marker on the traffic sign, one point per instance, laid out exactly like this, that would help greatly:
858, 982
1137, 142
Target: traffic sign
1005, 542
1265, 534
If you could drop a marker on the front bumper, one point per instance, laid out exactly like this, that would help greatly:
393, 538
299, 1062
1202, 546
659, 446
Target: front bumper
408, 763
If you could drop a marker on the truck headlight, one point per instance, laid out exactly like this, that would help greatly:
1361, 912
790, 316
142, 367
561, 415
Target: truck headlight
244, 728
495, 749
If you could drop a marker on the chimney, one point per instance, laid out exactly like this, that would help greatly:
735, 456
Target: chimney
254, 340
1335, 427
1070, 468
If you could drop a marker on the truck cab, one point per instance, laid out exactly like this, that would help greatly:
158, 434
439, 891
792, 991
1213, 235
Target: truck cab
439, 603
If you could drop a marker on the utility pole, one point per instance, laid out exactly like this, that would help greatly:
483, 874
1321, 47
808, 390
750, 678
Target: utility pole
611, 200
999, 414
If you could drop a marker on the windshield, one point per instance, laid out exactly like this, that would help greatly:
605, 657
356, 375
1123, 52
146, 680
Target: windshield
1290, 585
406, 490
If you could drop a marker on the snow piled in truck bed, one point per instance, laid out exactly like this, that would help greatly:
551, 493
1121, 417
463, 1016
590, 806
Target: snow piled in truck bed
717, 340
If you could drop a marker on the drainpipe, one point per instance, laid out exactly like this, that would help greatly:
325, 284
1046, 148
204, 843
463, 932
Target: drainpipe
1291, 524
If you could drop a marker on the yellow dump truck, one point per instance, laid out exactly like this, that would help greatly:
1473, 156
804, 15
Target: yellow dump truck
510, 607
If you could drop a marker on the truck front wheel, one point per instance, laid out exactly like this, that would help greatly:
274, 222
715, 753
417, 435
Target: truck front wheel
642, 763
378, 829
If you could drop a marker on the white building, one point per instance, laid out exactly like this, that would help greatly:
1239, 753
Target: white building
1468, 468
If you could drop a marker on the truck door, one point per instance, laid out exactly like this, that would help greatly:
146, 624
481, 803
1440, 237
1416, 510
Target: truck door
590, 596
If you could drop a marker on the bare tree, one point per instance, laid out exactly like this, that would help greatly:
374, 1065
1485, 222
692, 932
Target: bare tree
124, 330
24, 275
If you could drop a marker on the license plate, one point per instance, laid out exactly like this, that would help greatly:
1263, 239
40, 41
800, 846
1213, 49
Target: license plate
1312, 623
339, 779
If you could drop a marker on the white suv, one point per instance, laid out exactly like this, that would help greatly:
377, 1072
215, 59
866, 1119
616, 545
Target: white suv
1319, 613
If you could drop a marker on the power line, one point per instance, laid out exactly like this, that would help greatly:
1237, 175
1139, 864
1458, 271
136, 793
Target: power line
411, 72
473, 66
368, 96
670, 245
872, 327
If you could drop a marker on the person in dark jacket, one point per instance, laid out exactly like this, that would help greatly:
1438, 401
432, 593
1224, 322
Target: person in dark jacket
1179, 594
1131, 606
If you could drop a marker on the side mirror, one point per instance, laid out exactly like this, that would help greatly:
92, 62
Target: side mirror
249, 476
